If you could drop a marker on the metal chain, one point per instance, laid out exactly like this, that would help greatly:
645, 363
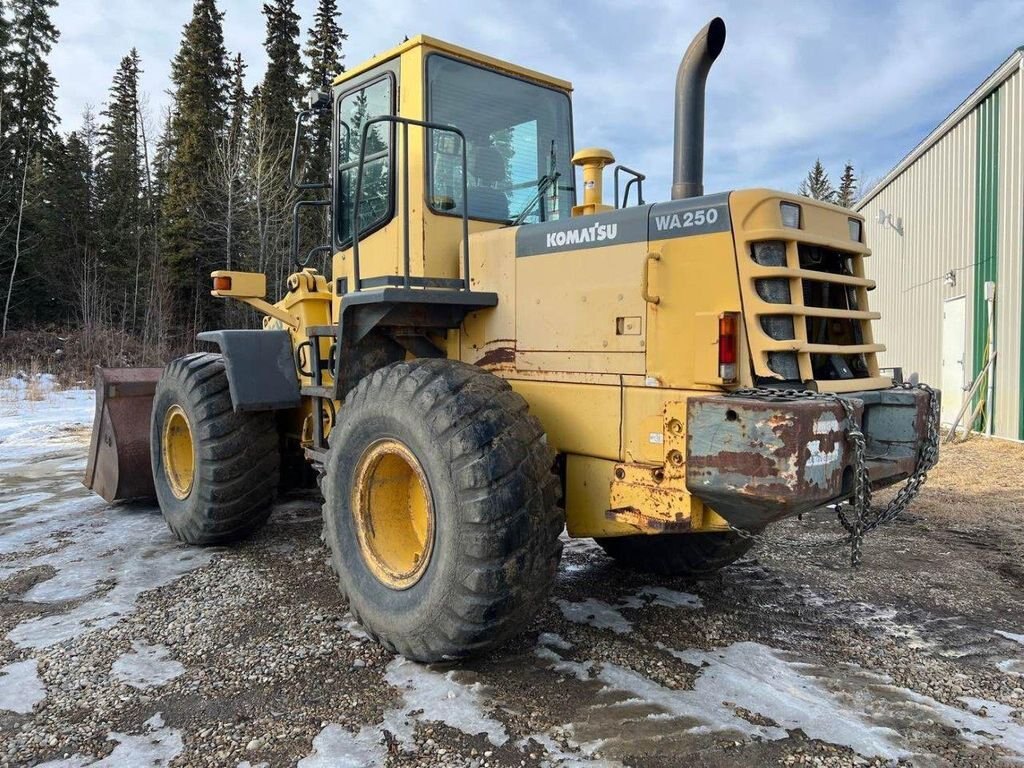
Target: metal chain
857, 515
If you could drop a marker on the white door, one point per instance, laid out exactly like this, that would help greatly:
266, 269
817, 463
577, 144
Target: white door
954, 371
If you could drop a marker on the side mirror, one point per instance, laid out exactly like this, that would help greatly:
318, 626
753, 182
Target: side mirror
318, 100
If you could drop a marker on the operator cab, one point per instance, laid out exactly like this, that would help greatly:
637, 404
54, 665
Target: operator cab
421, 129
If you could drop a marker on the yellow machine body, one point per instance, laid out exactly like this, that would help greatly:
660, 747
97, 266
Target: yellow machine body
608, 322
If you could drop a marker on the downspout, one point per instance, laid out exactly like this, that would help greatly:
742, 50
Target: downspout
990, 300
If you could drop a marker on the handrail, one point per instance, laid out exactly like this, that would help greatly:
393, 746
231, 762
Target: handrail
405, 122
638, 179
300, 263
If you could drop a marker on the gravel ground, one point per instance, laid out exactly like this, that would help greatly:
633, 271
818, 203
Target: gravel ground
121, 647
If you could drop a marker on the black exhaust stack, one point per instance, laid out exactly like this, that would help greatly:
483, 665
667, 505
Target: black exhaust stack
688, 163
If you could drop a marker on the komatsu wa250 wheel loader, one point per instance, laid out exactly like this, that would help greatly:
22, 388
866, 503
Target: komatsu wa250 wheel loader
495, 358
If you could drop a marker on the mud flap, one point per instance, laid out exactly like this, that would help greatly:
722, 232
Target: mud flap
119, 460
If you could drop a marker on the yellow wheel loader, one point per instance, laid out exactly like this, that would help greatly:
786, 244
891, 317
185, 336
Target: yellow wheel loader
497, 356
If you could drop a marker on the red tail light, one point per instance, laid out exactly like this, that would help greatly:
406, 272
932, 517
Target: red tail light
221, 283
728, 343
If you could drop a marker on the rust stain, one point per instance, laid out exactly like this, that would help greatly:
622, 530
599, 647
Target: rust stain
497, 356
635, 518
749, 463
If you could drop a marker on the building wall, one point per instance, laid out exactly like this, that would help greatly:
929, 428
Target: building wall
961, 205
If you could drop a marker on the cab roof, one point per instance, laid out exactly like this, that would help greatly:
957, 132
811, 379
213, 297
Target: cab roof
457, 51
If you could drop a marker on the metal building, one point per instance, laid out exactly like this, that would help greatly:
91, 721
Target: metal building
944, 225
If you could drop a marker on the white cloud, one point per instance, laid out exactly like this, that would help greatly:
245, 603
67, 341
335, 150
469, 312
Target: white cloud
796, 81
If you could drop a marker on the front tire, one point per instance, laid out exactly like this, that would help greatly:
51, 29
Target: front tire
441, 509
677, 554
216, 471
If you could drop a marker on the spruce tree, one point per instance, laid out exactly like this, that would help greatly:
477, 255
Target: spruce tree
281, 89
324, 51
199, 73
817, 185
32, 85
846, 195
238, 98
28, 120
119, 189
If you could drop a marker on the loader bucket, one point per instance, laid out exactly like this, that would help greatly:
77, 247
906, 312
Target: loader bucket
119, 464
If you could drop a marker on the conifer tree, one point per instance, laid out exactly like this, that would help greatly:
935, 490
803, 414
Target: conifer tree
324, 51
27, 125
200, 77
846, 195
238, 98
120, 193
817, 185
32, 85
281, 89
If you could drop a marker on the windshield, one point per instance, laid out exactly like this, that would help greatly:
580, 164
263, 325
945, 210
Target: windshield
518, 144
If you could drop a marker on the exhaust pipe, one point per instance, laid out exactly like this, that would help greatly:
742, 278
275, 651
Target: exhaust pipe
688, 162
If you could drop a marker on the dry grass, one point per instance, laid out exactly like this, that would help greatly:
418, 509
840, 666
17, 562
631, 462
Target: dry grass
976, 481
72, 355
34, 389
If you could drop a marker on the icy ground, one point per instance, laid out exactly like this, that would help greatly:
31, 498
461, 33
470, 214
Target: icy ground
249, 658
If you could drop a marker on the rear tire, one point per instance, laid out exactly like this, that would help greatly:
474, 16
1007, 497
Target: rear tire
472, 571
228, 488
677, 554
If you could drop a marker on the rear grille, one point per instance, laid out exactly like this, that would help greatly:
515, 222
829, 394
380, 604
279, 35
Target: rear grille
812, 309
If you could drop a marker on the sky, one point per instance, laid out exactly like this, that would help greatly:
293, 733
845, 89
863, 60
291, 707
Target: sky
844, 81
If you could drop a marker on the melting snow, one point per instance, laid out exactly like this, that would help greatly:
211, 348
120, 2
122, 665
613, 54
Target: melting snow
602, 615
1011, 636
670, 598
848, 706
444, 699
20, 687
146, 666
595, 613
156, 747
103, 556
336, 747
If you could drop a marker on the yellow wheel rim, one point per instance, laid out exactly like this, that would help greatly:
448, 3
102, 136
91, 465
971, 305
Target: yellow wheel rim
394, 514
179, 456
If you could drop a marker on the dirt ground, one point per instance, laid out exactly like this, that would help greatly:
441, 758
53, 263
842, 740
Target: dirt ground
121, 646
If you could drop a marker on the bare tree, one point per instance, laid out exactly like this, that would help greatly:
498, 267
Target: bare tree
17, 236
271, 198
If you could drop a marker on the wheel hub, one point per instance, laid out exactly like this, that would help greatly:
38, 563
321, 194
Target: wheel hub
394, 514
179, 459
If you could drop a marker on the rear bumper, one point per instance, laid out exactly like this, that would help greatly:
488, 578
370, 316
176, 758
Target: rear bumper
755, 461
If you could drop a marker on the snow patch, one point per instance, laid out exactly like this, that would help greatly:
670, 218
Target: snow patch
20, 687
103, 556
596, 613
156, 747
337, 747
444, 699
670, 598
146, 666
1011, 636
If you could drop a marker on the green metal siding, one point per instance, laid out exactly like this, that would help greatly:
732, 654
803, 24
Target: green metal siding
986, 226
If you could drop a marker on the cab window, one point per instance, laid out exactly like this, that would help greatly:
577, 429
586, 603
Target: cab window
518, 137
376, 204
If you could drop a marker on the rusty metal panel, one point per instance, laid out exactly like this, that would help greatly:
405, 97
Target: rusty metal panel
119, 456
754, 461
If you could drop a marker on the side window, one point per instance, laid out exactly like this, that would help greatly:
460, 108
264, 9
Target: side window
375, 204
